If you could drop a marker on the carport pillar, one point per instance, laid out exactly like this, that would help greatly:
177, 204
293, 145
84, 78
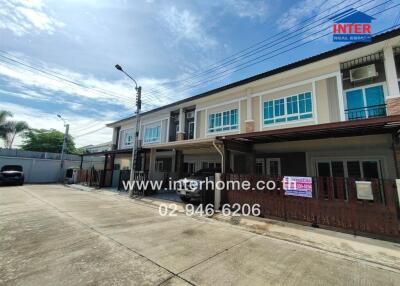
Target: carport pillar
152, 162
179, 163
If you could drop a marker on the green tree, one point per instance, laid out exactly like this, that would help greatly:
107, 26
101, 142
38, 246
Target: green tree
47, 141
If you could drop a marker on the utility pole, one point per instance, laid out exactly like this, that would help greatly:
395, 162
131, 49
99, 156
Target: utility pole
135, 149
64, 147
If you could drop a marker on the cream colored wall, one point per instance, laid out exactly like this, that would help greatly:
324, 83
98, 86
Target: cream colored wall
327, 103
296, 75
321, 96
243, 116
256, 112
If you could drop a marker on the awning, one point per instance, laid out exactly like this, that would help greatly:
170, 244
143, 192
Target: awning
378, 125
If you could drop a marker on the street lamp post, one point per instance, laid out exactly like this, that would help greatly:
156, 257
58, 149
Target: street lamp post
64, 146
136, 137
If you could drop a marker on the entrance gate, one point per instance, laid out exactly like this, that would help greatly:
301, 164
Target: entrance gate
334, 204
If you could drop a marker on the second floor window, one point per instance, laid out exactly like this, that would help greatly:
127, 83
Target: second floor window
291, 108
152, 134
223, 121
126, 138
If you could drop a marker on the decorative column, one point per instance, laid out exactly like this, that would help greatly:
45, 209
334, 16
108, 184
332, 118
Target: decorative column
393, 98
250, 123
181, 132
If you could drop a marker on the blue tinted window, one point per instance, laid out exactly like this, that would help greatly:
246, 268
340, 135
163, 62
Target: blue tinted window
279, 105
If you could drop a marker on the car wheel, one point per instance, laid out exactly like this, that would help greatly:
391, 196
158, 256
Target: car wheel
185, 199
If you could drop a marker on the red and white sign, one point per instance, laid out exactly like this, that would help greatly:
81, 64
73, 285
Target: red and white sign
298, 186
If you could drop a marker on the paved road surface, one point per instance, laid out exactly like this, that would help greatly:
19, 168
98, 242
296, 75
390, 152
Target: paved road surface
53, 235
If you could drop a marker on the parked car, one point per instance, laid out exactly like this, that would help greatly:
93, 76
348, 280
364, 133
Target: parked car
191, 189
12, 175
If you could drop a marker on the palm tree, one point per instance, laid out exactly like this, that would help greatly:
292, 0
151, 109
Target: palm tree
12, 129
3, 116
3, 121
9, 129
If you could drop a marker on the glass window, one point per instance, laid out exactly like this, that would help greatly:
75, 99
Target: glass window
279, 107
226, 118
292, 105
223, 121
365, 102
152, 134
297, 107
234, 117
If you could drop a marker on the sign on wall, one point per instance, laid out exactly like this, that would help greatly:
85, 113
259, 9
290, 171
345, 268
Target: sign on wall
298, 186
364, 190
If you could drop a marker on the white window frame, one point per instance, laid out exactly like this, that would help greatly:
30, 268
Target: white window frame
385, 94
286, 122
268, 166
229, 128
122, 135
153, 141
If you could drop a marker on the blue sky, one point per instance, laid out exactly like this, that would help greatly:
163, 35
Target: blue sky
166, 45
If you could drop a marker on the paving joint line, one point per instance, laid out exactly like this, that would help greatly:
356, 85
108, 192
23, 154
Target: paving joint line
112, 239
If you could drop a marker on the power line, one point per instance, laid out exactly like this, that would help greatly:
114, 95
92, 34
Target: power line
265, 46
56, 76
262, 58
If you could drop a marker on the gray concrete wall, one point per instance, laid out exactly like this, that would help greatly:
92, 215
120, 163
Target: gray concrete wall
42, 167
38, 170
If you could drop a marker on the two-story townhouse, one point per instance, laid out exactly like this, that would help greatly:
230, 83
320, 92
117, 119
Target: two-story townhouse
335, 114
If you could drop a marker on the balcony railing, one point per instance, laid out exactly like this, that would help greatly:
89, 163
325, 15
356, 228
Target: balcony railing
366, 112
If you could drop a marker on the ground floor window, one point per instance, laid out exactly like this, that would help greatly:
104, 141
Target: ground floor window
260, 166
189, 168
211, 165
365, 169
268, 166
159, 166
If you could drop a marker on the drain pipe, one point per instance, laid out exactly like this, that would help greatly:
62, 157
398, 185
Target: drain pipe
217, 188
220, 152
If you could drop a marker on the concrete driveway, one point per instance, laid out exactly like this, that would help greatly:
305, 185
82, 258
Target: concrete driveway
53, 235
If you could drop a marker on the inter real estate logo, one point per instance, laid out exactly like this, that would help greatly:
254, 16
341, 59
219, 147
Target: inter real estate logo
352, 26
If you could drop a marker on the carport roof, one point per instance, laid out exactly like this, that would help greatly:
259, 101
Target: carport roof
379, 125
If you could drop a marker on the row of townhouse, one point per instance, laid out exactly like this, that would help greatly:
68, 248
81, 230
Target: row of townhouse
335, 114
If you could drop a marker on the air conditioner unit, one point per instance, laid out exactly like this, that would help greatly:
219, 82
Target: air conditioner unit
190, 114
363, 73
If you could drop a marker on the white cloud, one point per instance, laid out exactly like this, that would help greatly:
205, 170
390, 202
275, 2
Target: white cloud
248, 9
320, 8
25, 16
185, 25
42, 120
